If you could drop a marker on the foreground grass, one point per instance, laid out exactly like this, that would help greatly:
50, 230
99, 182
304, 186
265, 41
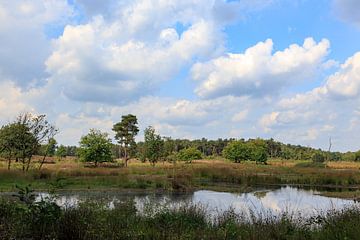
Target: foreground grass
216, 174
45, 220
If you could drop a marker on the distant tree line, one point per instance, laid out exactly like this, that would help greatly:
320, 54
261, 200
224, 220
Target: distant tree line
30, 135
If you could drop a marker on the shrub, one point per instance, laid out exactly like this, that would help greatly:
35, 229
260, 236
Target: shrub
253, 150
189, 154
237, 151
318, 158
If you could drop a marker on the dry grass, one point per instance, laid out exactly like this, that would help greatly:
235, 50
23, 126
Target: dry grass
343, 165
205, 173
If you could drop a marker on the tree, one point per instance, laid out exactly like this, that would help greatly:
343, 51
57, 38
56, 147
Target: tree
153, 145
49, 149
237, 151
168, 148
41, 131
125, 132
318, 157
21, 139
258, 151
10, 143
273, 148
61, 151
95, 147
252, 150
189, 154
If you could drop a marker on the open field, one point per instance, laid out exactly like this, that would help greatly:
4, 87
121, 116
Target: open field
215, 174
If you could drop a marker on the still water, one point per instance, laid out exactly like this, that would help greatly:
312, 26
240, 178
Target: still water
297, 202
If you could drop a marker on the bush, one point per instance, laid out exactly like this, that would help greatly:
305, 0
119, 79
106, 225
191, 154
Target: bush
357, 156
254, 150
189, 154
318, 158
237, 151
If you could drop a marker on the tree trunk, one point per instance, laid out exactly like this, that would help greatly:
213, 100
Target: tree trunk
28, 164
23, 164
9, 163
126, 157
42, 161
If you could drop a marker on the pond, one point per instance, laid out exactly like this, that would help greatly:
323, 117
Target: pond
293, 201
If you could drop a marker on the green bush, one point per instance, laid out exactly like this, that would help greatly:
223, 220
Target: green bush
253, 150
189, 154
237, 151
318, 158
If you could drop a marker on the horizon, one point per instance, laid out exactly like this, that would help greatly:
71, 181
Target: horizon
287, 70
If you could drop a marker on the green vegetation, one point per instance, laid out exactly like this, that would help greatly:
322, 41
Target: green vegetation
318, 158
125, 132
252, 150
189, 154
153, 146
28, 144
95, 147
26, 219
22, 138
61, 152
215, 174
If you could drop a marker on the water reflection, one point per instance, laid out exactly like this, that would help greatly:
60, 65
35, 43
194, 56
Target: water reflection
297, 202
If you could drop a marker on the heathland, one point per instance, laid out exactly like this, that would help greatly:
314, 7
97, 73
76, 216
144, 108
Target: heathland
215, 173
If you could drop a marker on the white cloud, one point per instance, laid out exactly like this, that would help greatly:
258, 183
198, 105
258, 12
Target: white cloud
24, 45
128, 57
90, 67
346, 82
327, 110
258, 71
12, 102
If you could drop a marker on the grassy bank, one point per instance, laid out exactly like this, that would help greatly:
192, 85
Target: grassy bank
45, 220
216, 174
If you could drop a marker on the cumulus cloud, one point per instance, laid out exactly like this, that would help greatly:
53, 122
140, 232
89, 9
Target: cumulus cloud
346, 82
101, 69
12, 102
258, 71
118, 56
324, 111
24, 45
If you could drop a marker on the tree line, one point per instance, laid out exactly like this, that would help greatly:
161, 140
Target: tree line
30, 135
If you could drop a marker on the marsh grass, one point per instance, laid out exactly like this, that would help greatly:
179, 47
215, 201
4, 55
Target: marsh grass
70, 174
94, 220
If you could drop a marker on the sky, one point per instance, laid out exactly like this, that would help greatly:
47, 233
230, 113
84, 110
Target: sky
282, 69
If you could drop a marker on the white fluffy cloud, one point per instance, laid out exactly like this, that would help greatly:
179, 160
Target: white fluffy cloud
87, 63
118, 56
327, 110
346, 82
24, 45
12, 102
258, 71
104, 68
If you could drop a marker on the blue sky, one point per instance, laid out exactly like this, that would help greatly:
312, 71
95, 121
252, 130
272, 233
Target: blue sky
284, 69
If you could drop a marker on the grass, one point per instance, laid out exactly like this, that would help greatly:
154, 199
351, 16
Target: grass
214, 174
90, 220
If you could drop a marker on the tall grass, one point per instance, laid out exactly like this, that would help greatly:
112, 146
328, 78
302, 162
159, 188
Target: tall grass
91, 220
179, 177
